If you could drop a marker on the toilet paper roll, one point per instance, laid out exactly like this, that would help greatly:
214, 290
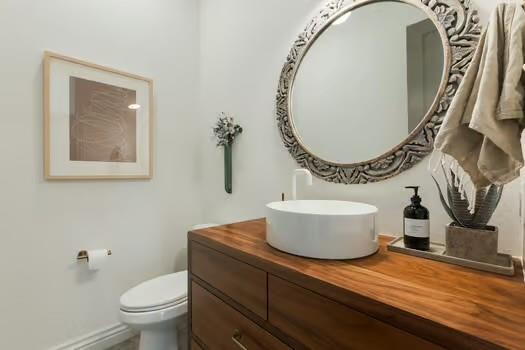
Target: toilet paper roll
97, 258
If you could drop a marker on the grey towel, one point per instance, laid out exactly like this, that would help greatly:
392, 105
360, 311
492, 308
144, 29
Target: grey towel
483, 126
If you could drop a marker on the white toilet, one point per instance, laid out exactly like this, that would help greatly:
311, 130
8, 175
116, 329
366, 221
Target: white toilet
157, 308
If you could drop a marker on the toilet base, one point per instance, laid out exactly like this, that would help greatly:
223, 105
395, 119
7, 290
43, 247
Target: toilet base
171, 335
155, 338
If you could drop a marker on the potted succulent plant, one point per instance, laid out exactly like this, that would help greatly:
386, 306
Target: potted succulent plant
469, 236
225, 131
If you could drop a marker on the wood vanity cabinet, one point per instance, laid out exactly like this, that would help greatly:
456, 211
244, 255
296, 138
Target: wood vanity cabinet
242, 282
243, 294
220, 326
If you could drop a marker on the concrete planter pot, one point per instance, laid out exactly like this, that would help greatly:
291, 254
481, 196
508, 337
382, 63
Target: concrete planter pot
472, 244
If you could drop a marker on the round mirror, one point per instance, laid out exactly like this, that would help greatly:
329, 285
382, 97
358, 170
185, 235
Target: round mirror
367, 82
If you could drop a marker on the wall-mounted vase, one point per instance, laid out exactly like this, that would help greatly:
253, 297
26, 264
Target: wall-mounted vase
228, 168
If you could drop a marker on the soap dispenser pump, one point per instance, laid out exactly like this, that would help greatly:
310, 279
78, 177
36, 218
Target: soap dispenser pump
416, 223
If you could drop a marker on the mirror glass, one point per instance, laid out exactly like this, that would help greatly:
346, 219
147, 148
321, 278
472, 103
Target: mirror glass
367, 82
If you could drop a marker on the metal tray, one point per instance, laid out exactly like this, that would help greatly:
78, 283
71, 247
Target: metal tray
437, 252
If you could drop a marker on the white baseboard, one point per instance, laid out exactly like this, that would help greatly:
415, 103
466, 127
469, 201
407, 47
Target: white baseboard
99, 340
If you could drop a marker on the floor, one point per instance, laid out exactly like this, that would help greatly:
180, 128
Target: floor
130, 344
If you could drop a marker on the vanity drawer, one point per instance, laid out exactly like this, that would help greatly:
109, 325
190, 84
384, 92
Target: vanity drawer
321, 323
216, 324
242, 282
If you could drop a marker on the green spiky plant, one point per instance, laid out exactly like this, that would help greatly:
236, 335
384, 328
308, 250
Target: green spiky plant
457, 207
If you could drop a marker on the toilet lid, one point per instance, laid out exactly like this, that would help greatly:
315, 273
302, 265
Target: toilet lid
160, 292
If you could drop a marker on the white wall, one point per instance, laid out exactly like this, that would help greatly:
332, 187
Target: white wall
47, 298
243, 46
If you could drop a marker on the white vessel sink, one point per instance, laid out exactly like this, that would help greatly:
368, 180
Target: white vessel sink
322, 229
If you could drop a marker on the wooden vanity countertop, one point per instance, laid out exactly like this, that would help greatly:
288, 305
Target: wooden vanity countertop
429, 298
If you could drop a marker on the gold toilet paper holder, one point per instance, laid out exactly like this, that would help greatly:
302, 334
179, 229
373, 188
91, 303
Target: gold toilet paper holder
83, 255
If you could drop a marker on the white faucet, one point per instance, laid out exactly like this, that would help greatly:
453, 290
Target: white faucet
294, 180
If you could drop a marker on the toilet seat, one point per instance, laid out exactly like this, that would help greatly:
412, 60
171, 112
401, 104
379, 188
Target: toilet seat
156, 308
164, 292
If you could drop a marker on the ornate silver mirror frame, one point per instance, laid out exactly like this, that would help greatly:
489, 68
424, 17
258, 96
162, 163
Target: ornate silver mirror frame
459, 28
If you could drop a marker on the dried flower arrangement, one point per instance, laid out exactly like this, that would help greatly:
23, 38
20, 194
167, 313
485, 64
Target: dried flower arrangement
226, 130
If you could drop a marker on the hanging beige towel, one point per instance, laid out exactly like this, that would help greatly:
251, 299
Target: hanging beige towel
483, 126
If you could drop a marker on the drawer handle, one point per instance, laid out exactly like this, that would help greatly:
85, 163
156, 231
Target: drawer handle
236, 337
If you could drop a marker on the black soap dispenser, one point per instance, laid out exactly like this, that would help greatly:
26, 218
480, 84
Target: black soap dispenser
416, 224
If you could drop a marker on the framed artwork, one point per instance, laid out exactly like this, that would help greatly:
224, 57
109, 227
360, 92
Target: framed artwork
98, 121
